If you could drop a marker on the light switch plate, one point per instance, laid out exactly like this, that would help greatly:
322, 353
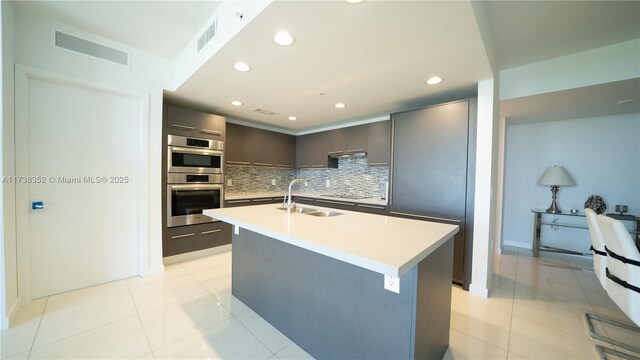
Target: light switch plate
328, 183
273, 182
229, 182
392, 283
236, 229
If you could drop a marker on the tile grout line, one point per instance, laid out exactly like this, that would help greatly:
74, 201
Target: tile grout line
513, 302
38, 329
235, 317
140, 321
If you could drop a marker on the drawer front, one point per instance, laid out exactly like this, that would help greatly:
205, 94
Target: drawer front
303, 200
256, 201
183, 239
372, 209
336, 204
236, 203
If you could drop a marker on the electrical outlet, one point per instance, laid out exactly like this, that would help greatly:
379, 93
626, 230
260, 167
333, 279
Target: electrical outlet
229, 182
328, 183
273, 182
392, 283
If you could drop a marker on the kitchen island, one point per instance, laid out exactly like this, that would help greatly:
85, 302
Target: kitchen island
321, 280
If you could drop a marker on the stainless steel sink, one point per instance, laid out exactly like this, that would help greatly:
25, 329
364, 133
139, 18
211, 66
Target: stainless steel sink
299, 210
324, 213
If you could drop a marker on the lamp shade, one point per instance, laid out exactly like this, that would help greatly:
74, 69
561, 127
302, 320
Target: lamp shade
556, 176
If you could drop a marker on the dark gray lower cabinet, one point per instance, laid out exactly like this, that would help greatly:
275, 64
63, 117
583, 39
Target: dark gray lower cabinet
344, 205
253, 201
432, 171
183, 239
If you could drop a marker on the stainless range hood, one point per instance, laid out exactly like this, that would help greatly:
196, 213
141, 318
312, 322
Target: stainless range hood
347, 154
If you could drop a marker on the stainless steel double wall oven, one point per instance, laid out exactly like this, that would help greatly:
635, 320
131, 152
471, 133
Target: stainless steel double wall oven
195, 179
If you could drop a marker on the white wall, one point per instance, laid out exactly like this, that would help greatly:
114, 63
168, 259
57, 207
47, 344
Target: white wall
148, 74
602, 154
8, 270
597, 66
484, 205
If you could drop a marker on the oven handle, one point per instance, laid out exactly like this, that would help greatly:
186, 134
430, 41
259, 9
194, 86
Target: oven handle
194, 151
195, 187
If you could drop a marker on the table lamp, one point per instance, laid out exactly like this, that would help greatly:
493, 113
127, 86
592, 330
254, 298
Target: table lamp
555, 176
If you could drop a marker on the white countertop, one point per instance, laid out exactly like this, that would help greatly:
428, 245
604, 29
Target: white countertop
388, 245
255, 195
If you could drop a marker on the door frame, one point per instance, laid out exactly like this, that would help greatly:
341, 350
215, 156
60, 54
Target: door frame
23, 75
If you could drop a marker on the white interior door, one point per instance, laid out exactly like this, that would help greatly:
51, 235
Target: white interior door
77, 136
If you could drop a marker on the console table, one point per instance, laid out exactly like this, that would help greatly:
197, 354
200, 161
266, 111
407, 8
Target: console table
538, 222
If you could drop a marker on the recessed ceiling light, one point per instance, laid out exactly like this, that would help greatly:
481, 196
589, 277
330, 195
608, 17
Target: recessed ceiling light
434, 80
283, 38
236, 103
340, 105
353, 1
240, 66
293, 118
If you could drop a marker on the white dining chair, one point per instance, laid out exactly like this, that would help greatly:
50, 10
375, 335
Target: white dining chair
622, 271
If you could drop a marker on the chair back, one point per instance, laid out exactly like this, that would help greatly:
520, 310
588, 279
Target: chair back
597, 245
618, 242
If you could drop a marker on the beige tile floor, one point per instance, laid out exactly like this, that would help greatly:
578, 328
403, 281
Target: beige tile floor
535, 311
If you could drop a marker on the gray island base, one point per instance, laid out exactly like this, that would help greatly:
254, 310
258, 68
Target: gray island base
335, 310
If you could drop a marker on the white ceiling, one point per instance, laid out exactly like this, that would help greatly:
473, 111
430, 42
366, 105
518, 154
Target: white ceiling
373, 56
524, 32
160, 27
590, 101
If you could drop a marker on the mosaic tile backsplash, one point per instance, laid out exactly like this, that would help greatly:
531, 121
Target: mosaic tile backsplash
352, 177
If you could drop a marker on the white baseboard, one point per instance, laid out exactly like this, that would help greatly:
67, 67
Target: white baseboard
6, 321
196, 254
518, 245
479, 290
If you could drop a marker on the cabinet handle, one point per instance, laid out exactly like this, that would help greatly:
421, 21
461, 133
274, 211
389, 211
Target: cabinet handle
356, 150
262, 164
378, 164
211, 231
317, 166
336, 152
304, 199
426, 217
238, 201
281, 165
182, 236
211, 132
335, 202
304, 166
259, 200
371, 206
183, 127
238, 162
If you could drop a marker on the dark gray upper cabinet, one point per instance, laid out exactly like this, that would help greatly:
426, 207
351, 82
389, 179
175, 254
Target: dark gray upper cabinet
379, 143
271, 148
238, 145
251, 146
348, 140
193, 123
311, 151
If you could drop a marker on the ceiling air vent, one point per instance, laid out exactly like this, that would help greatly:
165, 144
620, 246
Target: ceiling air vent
90, 48
263, 111
209, 34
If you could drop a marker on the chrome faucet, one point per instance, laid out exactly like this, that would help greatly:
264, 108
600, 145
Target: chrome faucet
289, 204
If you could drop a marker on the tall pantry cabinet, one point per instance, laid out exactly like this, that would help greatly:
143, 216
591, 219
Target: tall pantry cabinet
433, 172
